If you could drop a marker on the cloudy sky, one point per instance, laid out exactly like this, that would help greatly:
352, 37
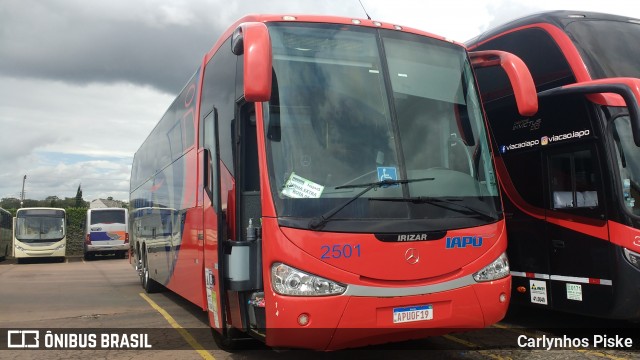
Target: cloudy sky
82, 83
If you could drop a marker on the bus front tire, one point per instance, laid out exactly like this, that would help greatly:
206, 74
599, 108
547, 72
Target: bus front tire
228, 343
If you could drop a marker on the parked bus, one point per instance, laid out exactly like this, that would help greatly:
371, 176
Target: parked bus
39, 232
106, 232
6, 234
571, 174
325, 182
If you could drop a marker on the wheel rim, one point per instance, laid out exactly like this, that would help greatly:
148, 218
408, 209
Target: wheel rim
143, 271
139, 268
145, 278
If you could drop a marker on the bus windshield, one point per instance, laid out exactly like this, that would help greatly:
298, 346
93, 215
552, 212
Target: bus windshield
628, 156
40, 226
608, 47
351, 106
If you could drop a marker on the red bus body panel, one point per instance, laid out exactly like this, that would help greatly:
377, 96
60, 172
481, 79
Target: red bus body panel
347, 321
385, 262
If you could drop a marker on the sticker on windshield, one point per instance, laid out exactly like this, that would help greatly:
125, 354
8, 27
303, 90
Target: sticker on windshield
387, 173
298, 187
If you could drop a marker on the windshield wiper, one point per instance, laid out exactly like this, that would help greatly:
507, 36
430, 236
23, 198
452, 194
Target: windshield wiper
318, 222
438, 201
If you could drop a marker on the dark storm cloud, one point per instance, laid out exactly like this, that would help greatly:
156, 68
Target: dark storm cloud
57, 40
145, 43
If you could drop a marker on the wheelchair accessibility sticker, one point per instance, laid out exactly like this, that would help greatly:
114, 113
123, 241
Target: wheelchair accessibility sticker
387, 173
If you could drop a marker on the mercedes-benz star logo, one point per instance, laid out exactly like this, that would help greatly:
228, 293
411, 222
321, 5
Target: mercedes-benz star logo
305, 160
412, 256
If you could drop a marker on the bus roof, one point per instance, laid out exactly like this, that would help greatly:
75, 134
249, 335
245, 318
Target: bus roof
44, 211
293, 18
107, 208
556, 24
40, 208
559, 18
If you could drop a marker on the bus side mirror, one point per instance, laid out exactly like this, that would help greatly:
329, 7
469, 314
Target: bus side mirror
627, 88
524, 88
252, 39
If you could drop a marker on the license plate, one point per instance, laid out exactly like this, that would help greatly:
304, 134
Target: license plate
412, 313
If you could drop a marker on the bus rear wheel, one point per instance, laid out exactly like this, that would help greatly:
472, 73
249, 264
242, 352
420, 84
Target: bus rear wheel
148, 284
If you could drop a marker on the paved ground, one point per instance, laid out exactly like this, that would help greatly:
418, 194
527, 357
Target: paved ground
104, 296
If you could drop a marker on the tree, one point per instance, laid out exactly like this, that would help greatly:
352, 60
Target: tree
79, 201
10, 203
51, 201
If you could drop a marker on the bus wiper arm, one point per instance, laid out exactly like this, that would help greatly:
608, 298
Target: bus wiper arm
318, 222
447, 203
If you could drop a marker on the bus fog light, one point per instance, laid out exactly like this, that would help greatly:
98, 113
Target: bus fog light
632, 257
498, 269
503, 297
290, 281
303, 319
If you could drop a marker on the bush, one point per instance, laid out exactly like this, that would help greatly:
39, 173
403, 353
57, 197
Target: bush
75, 230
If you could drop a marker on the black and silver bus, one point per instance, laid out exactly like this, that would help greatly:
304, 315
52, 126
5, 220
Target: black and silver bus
571, 173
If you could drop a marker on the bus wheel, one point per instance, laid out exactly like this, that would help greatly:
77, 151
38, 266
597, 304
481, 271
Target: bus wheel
148, 284
228, 343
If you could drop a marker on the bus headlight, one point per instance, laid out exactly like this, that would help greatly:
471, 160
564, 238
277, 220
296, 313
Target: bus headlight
498, 269
20, 248
59, 247
632, 257
290, 281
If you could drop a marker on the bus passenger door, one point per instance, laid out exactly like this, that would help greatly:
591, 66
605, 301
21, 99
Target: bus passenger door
525, 216
580, 253
212, 229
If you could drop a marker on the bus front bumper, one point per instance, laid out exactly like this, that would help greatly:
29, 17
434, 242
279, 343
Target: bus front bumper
26, 251
353, 321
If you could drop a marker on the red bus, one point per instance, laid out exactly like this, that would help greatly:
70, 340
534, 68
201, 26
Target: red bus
571, 174
324, 183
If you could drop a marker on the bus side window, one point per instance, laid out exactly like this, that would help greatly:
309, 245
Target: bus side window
561, 184
249, 157
219, 90
209, 142
573, 180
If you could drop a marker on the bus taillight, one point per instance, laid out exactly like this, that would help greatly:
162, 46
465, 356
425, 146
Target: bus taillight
126, 238
87, 239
